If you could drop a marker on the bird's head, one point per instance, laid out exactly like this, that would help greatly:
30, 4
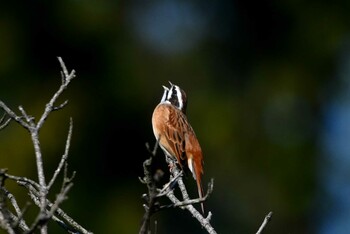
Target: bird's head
175, 96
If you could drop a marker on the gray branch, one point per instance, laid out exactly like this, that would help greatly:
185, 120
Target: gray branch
38, 191
187, 203
19, 218
64, 156
3, 122
266, 220
34, 194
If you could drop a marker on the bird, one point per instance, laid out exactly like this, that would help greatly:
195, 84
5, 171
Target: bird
175, 135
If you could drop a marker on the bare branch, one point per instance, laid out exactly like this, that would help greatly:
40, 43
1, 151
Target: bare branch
9, 221
40, 171
3, 124
266, 220
152, 192
65, 71
60, 106
38, 190
21, 179
13, 115
64, 156
13, 201
5, 224
35, 137
194, 201
168, 186
50, 105
19, 221
205, 222
71, 222
29, 119
34, 195
42, 220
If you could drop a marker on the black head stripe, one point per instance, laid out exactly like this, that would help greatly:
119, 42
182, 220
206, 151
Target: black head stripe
174, 98
177, 97
184, 101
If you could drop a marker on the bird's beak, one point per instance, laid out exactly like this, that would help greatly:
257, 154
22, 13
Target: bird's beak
171, 84
165, 88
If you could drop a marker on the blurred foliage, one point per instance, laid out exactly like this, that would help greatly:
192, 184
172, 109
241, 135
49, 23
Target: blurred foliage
256, 73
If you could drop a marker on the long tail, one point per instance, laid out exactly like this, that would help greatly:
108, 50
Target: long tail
196, 168
200, 191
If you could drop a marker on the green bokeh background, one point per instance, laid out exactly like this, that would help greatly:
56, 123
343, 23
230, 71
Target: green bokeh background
256, 82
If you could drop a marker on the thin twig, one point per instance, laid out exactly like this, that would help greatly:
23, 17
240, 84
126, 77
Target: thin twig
13, 201
29, 119
64, 156
13, 115
17, 222
266, 220
4, 123
34, 195
194, 201
7, 216
22, 179
205, 222
5, 224
20, 221
59, 199
167, 186
50, 105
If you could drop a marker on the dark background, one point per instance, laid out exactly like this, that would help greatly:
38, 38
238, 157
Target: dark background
267, 83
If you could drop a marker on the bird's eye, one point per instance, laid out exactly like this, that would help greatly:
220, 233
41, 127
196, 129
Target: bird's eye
174, 92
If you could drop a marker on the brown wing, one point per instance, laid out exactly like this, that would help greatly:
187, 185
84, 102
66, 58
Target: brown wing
165, 122
176, 128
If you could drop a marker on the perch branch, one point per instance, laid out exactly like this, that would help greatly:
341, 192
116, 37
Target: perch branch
205, 222
194, 201
168, 186
154, 193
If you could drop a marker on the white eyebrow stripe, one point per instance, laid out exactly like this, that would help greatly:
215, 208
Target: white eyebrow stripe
164, 94
170, 92
179, 95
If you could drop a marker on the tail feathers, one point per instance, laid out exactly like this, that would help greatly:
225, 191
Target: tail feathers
197, 171
200, 193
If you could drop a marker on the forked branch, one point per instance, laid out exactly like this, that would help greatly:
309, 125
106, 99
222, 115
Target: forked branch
38, 191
